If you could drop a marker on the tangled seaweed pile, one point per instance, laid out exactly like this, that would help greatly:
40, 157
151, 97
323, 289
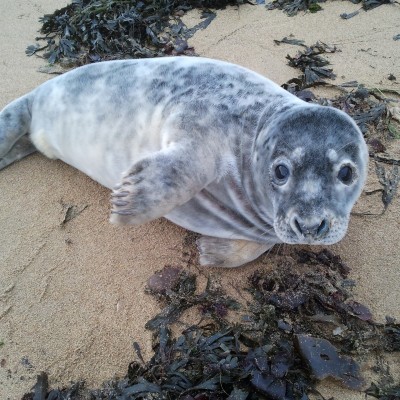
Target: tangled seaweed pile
292, 7
88, 31
312, 64
294, 331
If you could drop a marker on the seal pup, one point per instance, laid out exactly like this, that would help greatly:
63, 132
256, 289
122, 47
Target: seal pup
214, 147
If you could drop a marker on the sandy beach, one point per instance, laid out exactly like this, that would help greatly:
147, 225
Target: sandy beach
72, 295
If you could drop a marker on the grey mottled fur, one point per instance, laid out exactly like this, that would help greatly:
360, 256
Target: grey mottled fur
197, 141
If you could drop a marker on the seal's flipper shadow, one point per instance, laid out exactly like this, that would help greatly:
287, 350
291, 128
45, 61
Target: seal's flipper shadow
22, 148
228, 253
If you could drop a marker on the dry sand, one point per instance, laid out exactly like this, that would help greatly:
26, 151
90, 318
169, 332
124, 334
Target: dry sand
71, 295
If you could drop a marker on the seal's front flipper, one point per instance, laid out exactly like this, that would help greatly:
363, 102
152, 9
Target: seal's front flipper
157, 184
21, 149
228, 253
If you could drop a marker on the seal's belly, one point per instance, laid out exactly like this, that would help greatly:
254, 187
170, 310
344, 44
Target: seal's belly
98, 139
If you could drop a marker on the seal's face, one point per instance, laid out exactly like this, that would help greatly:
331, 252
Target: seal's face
315, 169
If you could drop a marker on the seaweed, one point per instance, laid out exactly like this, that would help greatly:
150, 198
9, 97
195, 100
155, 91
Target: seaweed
176, 288
292, 7
41, 390
389, 393
392, 335
300, 326
88, 31
349, 15
361, 104
389, 182
312, 64
370, 4
41, 387
290, 40
324, 361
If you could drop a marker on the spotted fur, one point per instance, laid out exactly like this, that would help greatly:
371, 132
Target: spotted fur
197, 141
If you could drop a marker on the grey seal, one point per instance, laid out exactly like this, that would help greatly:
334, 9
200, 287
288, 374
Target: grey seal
213, 147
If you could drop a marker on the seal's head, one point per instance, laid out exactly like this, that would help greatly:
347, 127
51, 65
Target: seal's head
313, 160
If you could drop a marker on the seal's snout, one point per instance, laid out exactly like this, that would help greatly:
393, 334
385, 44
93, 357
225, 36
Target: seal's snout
311, 229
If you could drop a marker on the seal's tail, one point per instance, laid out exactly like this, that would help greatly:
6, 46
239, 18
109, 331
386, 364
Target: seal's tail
15, 121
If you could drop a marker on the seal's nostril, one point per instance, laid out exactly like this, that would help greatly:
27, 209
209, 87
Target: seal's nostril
323, 228
298, 227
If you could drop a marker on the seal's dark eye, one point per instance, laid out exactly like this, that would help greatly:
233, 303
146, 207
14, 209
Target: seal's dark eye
345, 175
281, 172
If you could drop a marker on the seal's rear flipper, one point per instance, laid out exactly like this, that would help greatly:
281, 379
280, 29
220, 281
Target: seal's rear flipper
21, 149
15, 121
228, 253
